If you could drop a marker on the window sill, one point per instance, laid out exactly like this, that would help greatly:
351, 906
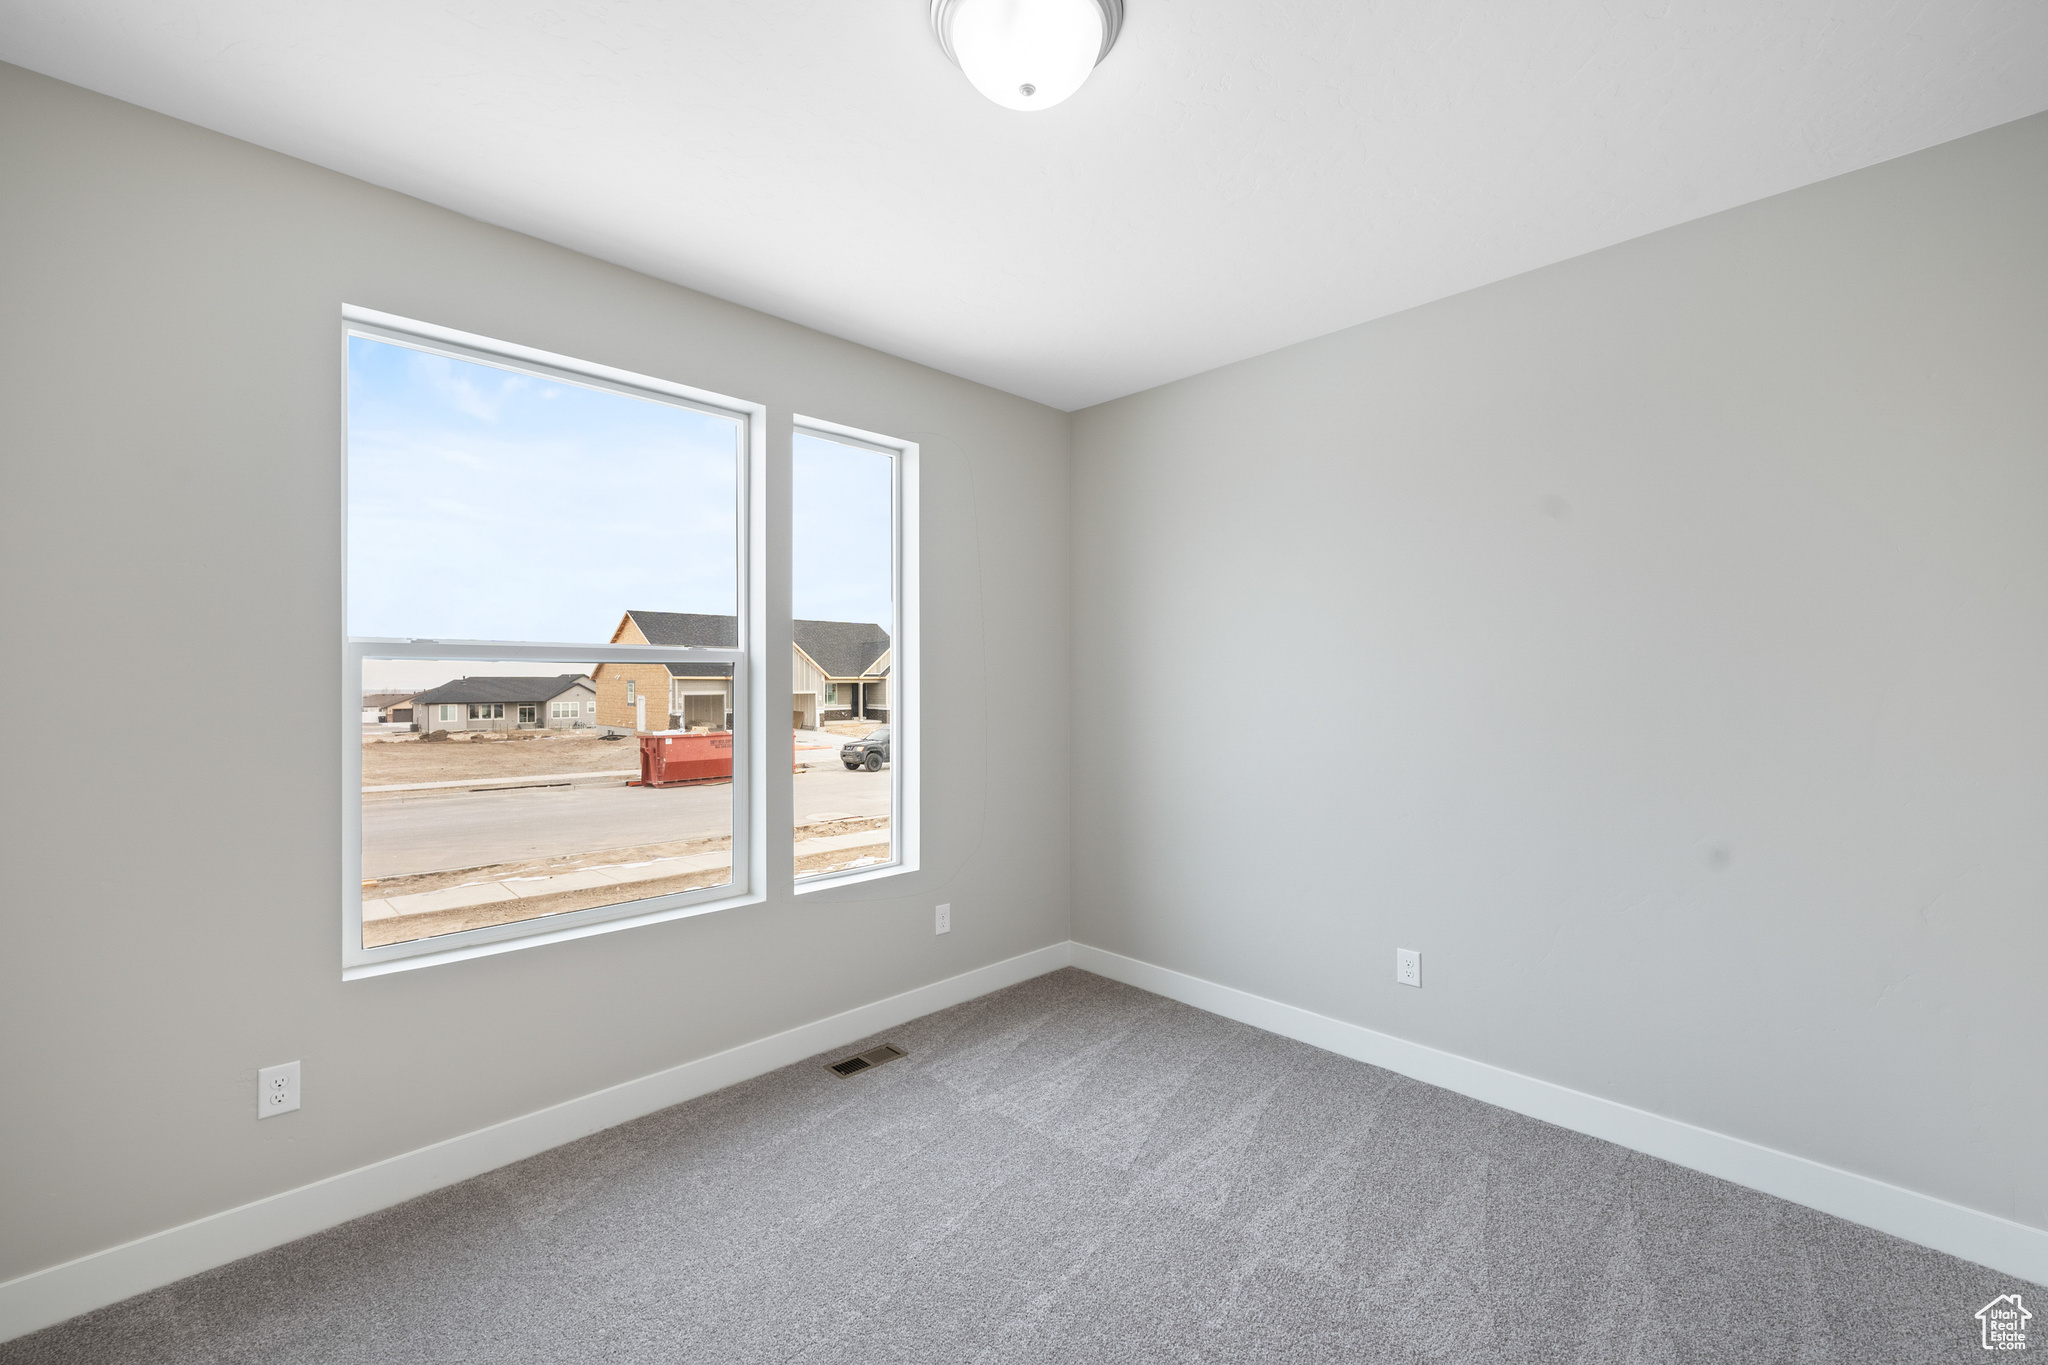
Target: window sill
562, 935
825, 881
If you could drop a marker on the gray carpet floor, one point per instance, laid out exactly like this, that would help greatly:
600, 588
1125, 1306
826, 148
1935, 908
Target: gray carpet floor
1070, 1170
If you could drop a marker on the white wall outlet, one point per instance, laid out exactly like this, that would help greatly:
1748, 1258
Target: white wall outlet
1408, 967
277, 1090
942, 920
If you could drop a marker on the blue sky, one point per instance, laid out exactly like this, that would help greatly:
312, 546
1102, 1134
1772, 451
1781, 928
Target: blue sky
840, 533
492, 504
487, 504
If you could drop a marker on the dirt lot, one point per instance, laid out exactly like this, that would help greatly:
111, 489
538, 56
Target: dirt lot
489, 755
405, 928
377, 889
390, 761
813, 863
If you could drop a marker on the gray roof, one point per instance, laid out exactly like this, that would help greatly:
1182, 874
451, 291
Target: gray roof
500, 689
689, 628
693, 629
844, 649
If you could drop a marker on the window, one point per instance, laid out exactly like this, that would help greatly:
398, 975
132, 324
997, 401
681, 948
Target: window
630, 698
565, 710
854, 555
474, 572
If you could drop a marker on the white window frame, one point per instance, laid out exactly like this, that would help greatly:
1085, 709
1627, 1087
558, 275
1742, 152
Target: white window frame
750, 765
906, 788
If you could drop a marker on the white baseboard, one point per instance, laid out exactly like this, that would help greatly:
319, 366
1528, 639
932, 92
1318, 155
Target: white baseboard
2003, 1245
103, 1277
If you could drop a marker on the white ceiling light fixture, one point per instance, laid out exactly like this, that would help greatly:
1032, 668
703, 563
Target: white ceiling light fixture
1027, 54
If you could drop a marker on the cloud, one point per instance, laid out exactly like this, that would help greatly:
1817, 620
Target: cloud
464, 388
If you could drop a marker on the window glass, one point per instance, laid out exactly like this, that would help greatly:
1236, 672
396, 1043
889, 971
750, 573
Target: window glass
525, 786
461, 525
480, 822
843, 586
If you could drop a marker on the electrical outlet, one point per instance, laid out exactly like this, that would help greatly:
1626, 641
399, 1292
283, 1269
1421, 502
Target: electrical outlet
942, 920
1408, 967
277, 1090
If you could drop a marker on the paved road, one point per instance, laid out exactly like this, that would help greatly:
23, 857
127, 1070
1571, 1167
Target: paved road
433, 833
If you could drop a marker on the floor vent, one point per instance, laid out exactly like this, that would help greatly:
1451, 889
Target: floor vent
867, 1061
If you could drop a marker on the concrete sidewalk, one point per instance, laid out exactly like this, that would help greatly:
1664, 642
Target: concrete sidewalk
816, 748
820, 748
522, 888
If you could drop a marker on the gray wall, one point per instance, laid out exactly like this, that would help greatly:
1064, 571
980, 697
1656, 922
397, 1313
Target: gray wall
171, 388
1657, 641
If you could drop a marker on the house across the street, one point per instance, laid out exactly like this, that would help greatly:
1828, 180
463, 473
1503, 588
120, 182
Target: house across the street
566, 701
840, 672
387, 707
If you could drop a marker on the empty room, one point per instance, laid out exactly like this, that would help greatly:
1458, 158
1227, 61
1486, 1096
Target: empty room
1414, 637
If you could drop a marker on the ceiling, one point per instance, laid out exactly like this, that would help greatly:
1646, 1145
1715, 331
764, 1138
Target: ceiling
1238, 175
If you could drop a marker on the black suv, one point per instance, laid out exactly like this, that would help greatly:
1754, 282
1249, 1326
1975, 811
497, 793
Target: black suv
870, 753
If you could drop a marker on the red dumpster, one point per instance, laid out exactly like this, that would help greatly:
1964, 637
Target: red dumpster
671, 758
